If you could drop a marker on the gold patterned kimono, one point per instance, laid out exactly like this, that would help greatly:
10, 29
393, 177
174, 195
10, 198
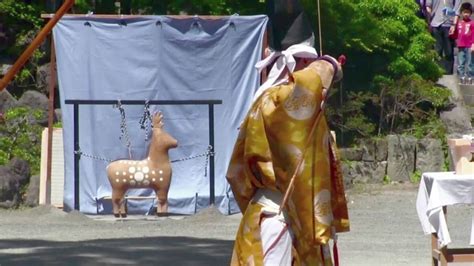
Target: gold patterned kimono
272, 138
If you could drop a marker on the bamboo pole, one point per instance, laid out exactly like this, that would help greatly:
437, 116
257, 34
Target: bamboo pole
320, 31
20, 62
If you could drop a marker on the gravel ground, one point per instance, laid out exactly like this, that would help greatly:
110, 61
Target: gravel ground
384, 231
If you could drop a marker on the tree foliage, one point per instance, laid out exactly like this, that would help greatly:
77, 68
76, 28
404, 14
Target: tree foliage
390, 72
21, 22
172, 7
21, 138
391, 68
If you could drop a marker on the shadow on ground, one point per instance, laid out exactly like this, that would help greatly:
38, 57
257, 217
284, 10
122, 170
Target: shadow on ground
128, 251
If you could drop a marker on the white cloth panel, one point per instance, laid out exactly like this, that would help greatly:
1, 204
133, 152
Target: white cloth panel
156, 58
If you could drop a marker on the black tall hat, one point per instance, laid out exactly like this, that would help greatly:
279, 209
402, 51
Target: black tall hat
288, 23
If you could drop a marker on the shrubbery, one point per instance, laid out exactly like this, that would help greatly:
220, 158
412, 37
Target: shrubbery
389, 76
21, 137
390, 72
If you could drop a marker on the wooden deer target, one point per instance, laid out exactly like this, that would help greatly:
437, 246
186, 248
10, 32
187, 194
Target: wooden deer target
153, 172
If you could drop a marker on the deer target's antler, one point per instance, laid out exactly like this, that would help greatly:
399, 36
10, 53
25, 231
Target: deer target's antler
158, 120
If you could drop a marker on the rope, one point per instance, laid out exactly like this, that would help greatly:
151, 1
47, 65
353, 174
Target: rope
123, 128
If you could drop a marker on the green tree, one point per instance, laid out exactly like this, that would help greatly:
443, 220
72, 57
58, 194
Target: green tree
21, 22
21, 137
384, 36
390, 71
391, 66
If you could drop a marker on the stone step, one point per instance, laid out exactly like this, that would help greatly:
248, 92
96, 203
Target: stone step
457, 120
470, 109
467, 90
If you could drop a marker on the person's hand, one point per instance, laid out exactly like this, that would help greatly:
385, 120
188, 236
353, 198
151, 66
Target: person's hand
451, 30
267, 52
472, 48
325, 71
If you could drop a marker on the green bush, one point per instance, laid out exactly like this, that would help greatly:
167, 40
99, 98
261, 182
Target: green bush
415, 177
20, 137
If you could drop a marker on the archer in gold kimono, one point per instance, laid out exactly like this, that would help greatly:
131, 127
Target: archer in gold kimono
285, 137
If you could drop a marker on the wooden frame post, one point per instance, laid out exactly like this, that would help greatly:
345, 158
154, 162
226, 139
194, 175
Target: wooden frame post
20, 62
52, 86
443, 256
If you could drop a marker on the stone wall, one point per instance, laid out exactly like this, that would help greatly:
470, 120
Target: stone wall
16, 174
395, 158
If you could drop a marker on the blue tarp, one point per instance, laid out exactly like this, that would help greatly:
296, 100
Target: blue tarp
155, 58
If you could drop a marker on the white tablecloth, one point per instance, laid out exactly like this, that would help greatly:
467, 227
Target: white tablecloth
442, 189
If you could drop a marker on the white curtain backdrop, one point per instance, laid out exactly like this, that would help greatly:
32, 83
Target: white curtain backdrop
156, 58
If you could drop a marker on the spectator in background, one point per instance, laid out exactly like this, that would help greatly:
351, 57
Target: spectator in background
422, 9
442, 17
465, 42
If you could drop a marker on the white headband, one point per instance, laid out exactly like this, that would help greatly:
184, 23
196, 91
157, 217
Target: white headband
282, 59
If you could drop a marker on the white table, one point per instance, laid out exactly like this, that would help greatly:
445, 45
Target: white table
436, 191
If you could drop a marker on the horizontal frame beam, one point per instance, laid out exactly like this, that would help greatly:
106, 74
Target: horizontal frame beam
77, 156
141, 102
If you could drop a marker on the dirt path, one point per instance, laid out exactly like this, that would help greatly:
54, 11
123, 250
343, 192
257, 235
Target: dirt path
384, 224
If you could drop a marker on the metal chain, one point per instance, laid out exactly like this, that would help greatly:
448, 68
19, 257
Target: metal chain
92, 156
123, 128
143, 121
208, 153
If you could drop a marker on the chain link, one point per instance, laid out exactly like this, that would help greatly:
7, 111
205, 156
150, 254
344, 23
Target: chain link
146, 126
123, 128
208, 153
92, 156
143, 121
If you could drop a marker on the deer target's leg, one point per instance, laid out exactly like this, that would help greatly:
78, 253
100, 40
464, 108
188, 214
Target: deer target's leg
123, 207
117, 197
162, 202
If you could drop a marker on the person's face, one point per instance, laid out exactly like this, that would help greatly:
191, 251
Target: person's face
466, 14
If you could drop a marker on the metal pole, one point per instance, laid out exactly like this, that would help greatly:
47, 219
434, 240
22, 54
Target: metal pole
211, 159
77, 157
